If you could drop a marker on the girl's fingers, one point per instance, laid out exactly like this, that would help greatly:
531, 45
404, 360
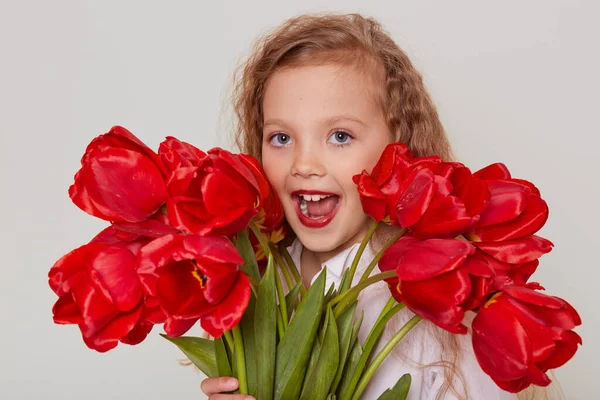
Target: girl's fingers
221, 384
231, 397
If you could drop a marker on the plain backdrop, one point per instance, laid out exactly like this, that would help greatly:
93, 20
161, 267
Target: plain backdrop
514, 81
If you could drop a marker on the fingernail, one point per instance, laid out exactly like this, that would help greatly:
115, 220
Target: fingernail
249, 398
232, 383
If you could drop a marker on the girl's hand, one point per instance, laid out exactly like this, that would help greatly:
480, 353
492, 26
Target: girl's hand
212, 387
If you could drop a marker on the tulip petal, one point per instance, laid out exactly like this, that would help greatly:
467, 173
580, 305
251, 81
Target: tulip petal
119, 185
138, 333
228, 313
415, 198
501, 345
66, 269
529, 222
108, 337
65, 311
180, 290
497, 171
507, 201
372, 199
112, 272
445, 217
175, 327
438, 299
517, 251
175, 154
564, 350
154, 255
417, 260
473, 192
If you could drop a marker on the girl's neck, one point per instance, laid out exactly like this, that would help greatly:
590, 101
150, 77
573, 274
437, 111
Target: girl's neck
310, 261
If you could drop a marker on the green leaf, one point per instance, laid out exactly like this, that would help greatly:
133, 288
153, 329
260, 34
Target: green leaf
247, 328
399, 391
200, 351
325, 370
223, 365
265, 325
244, 247
356, 328
331, 396
312, 362
330, 293
295, 347
351, 363
345, 329
291, 299
343, 281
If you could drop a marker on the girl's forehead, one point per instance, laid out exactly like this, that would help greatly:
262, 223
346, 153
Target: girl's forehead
319, 89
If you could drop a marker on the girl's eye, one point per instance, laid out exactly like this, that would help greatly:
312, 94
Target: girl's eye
340, 137
280, 139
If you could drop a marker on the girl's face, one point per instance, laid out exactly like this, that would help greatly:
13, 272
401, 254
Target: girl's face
321, 127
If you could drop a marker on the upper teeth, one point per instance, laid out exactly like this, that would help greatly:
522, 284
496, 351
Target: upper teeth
314, 197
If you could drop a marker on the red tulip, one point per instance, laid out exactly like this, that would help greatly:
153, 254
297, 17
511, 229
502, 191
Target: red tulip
515, 209
380, 190
439, 279
270, 216
177, 154
456, 204
220, 196
195, 277
431, 197
520, 334
120, 179
99, 290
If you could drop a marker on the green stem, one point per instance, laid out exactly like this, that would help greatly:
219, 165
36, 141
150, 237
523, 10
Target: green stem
347, 298
386, 314
261, 237
361, 249
280, 328
375, 260
284, 268
294, 269
382, 355
229, 340
240, 359
282, 303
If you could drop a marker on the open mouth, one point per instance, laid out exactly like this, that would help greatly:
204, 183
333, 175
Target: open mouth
315, 209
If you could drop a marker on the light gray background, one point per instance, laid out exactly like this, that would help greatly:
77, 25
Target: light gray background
515, 81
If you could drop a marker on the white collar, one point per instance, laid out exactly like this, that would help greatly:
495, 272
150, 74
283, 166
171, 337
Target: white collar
337, 264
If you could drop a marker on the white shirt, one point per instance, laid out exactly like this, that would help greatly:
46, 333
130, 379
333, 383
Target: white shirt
416, 349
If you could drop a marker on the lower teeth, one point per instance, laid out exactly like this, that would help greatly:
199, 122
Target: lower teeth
304, 210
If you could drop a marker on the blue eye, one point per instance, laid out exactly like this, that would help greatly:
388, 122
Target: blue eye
280, 139
340, 137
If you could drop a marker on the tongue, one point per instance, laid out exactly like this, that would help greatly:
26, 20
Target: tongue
322, 207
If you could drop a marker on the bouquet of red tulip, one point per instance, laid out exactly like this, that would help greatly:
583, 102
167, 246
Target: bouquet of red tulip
194, 236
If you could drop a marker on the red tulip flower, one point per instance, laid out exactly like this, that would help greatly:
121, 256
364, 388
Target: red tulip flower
520, 334
431, 197
439, 279
195, 277
120, 179
177, 154
270, 216
219, 196
99, 290
381, 189
513, 214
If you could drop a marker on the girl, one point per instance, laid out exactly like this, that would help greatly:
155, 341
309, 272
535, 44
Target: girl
317, 102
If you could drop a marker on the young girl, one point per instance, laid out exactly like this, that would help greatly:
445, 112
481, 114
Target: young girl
317, 102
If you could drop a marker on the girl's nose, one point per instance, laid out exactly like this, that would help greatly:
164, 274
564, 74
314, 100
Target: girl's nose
307, 163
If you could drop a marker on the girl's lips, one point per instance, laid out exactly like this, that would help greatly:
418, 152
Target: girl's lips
319, 222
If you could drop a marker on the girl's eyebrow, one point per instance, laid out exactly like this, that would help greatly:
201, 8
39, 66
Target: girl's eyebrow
327, 121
